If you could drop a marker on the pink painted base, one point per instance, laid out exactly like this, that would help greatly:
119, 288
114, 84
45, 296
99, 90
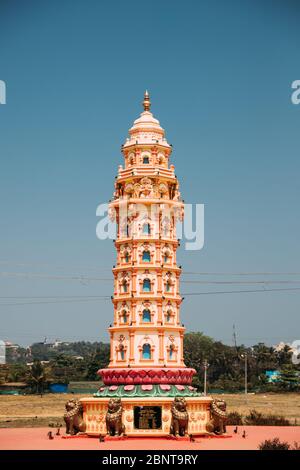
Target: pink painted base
36, 439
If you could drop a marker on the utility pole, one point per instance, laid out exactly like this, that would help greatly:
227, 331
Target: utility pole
246, 375
206, 366
234, 337
245, 356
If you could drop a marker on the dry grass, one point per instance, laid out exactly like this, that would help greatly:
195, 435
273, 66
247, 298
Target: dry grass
31, 410
283, 404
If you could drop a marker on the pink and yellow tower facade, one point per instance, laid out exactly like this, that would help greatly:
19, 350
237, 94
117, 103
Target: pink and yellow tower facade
146, 369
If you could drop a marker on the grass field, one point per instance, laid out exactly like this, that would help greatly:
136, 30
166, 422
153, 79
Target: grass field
32, 410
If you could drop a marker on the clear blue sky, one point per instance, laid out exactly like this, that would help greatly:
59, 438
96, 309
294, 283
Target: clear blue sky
219, 74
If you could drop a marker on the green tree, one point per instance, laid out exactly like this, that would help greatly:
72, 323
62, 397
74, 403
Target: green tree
197, 348
97, 361
16, 355
37, 377
17, 372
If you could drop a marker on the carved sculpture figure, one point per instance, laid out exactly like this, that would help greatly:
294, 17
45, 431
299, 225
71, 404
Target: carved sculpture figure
113, 418
180, 417
146, 187
74, 417
218, 417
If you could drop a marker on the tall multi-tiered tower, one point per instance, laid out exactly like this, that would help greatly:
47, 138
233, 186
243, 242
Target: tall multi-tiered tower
146, 336
146, 369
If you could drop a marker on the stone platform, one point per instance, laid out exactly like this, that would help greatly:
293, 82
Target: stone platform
147, 416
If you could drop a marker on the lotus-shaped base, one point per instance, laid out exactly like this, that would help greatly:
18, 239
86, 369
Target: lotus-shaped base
165, 375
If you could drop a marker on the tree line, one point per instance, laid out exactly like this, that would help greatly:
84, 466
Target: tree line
80, 361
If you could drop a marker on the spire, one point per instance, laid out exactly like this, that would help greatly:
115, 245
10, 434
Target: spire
146, 102
146, 128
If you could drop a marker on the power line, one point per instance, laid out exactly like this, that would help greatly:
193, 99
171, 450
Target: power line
201, 273
242, 291
243, 282
81, 297
54, 301
45, 265
53, 277
82, 279
59, 335
52, 296
97, 298
267, 273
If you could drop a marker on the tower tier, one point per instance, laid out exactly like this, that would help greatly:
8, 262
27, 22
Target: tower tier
146, 335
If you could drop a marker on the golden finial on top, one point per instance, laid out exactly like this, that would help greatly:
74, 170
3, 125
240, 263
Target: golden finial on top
146, 102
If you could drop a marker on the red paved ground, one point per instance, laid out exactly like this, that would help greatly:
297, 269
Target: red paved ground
36, 438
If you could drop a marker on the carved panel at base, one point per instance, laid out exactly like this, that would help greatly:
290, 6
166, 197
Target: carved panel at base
95, 411
147, 417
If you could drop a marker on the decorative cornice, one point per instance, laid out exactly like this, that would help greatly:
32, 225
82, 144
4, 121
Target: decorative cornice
146, 326
154, 390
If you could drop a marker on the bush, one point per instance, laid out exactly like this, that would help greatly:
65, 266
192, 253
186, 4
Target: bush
254, 418
274, 444
234, 418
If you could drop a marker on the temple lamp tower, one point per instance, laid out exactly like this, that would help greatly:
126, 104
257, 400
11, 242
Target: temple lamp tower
146, 369
146, 334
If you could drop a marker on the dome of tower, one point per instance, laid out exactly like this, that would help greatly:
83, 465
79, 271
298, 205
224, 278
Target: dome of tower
146, 128
146, 120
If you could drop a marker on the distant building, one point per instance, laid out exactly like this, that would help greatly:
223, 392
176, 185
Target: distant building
57, 343
12, 350
11, 345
